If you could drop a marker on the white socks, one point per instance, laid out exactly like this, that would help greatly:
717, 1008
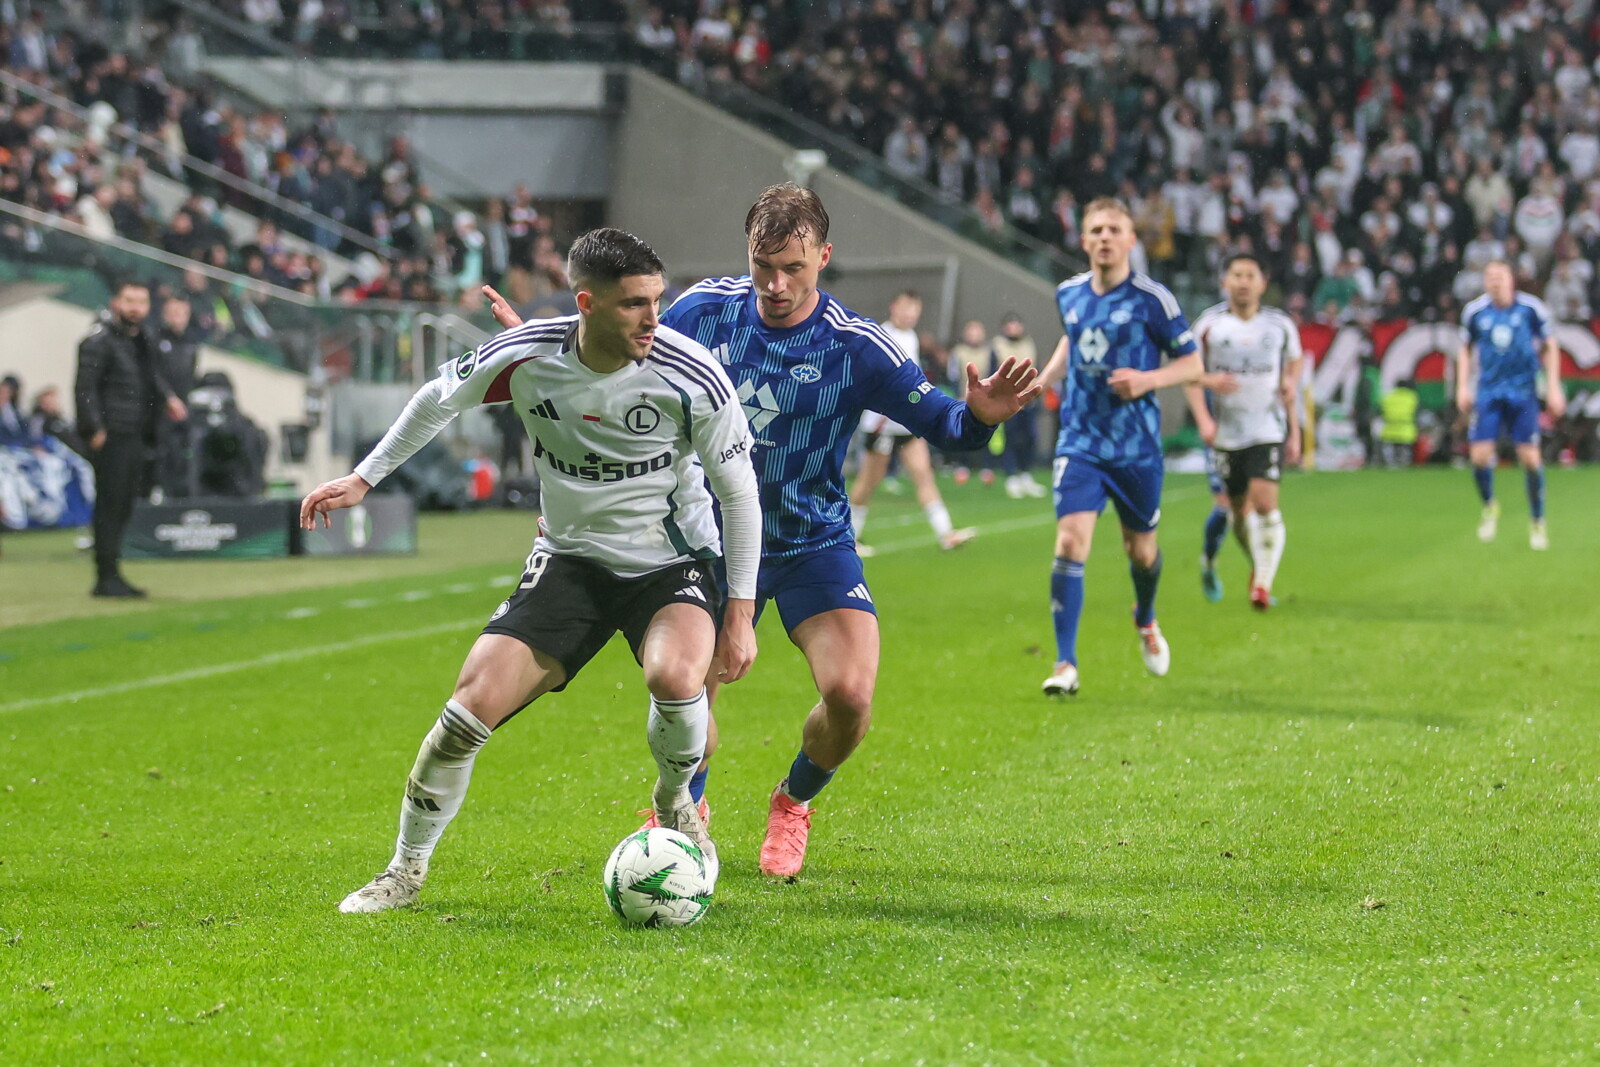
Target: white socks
677, 732
1266, 534
858, 519
939, 519
437, 786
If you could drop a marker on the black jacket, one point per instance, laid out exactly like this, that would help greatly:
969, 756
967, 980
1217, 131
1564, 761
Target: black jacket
178, 355
121, 387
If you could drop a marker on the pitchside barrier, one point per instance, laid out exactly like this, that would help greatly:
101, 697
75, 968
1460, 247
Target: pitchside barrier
228, 528
1425, 352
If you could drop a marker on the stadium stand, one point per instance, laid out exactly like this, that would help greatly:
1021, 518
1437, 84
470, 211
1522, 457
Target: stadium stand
1375, 153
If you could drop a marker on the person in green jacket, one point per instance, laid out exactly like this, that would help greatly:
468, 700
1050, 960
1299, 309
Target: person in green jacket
1399, 410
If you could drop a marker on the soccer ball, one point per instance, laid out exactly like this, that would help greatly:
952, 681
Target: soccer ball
658, 877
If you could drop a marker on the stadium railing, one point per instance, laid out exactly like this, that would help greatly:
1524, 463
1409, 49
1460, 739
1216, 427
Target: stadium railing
371, 341
255, 199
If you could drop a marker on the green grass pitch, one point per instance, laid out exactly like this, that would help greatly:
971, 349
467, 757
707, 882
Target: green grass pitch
1357, 830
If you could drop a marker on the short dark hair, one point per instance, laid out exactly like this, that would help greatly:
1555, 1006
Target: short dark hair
783, 212
909, 294
128, 283
607, 255
1248, 257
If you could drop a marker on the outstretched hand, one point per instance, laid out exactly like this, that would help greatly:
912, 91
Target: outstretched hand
344, 492
995, 399
502, 310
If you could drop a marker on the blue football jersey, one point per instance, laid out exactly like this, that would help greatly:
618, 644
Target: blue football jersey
1508, 342
1134, 325
804, 388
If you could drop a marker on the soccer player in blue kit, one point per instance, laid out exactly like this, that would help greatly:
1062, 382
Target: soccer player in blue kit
1118, 325
805, 368
1507, 337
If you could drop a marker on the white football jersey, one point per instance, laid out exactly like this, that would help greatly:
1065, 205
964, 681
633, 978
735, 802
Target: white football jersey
1255, 351
623, 458
909, 343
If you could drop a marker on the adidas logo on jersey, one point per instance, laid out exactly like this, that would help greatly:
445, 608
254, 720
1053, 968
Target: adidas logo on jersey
720, 354
693, 591
545, 409
860, 593
760, 407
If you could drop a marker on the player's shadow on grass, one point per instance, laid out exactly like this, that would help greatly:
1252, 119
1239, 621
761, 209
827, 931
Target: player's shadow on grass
1373, 611
1332, 706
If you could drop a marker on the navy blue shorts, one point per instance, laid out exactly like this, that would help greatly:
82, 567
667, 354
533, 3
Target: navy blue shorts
1084, 484
813, 582
1518, 416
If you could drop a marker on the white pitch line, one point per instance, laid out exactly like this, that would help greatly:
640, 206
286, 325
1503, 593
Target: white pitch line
289, 656
268, 660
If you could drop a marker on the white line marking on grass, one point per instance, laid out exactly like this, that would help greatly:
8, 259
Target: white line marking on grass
272, 658
301, 613
502, 581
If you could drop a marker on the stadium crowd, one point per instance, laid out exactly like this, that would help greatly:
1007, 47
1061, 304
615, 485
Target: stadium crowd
91, 171
1376, 154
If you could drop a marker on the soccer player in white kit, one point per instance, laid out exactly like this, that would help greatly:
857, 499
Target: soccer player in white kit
1252, 357
884, 438
629, 421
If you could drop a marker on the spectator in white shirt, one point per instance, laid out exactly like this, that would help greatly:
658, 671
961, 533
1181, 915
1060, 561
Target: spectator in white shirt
1580, 151
1429, 211
1278, 199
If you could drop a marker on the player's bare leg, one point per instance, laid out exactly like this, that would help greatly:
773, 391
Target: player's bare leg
873, 468
676, 657
841, 648
1482, 456
918, 461
1074, 536
1533, 474
501, 675
1265, 532
1144, 566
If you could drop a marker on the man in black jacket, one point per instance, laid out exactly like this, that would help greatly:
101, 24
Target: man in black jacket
121, 393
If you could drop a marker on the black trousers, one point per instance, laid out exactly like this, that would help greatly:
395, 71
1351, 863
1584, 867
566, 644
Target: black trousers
1022, 441
121, 477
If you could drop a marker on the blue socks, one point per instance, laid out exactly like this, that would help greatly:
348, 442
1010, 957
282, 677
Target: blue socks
1216, 530
1066, 606
697, 783
1144, 591
805, 779
1484, 476
1535, 480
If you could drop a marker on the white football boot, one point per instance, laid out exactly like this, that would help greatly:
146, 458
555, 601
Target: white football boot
1538, 537
1489, 524
1153, 647
391, 889
679, 812
1063, 683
